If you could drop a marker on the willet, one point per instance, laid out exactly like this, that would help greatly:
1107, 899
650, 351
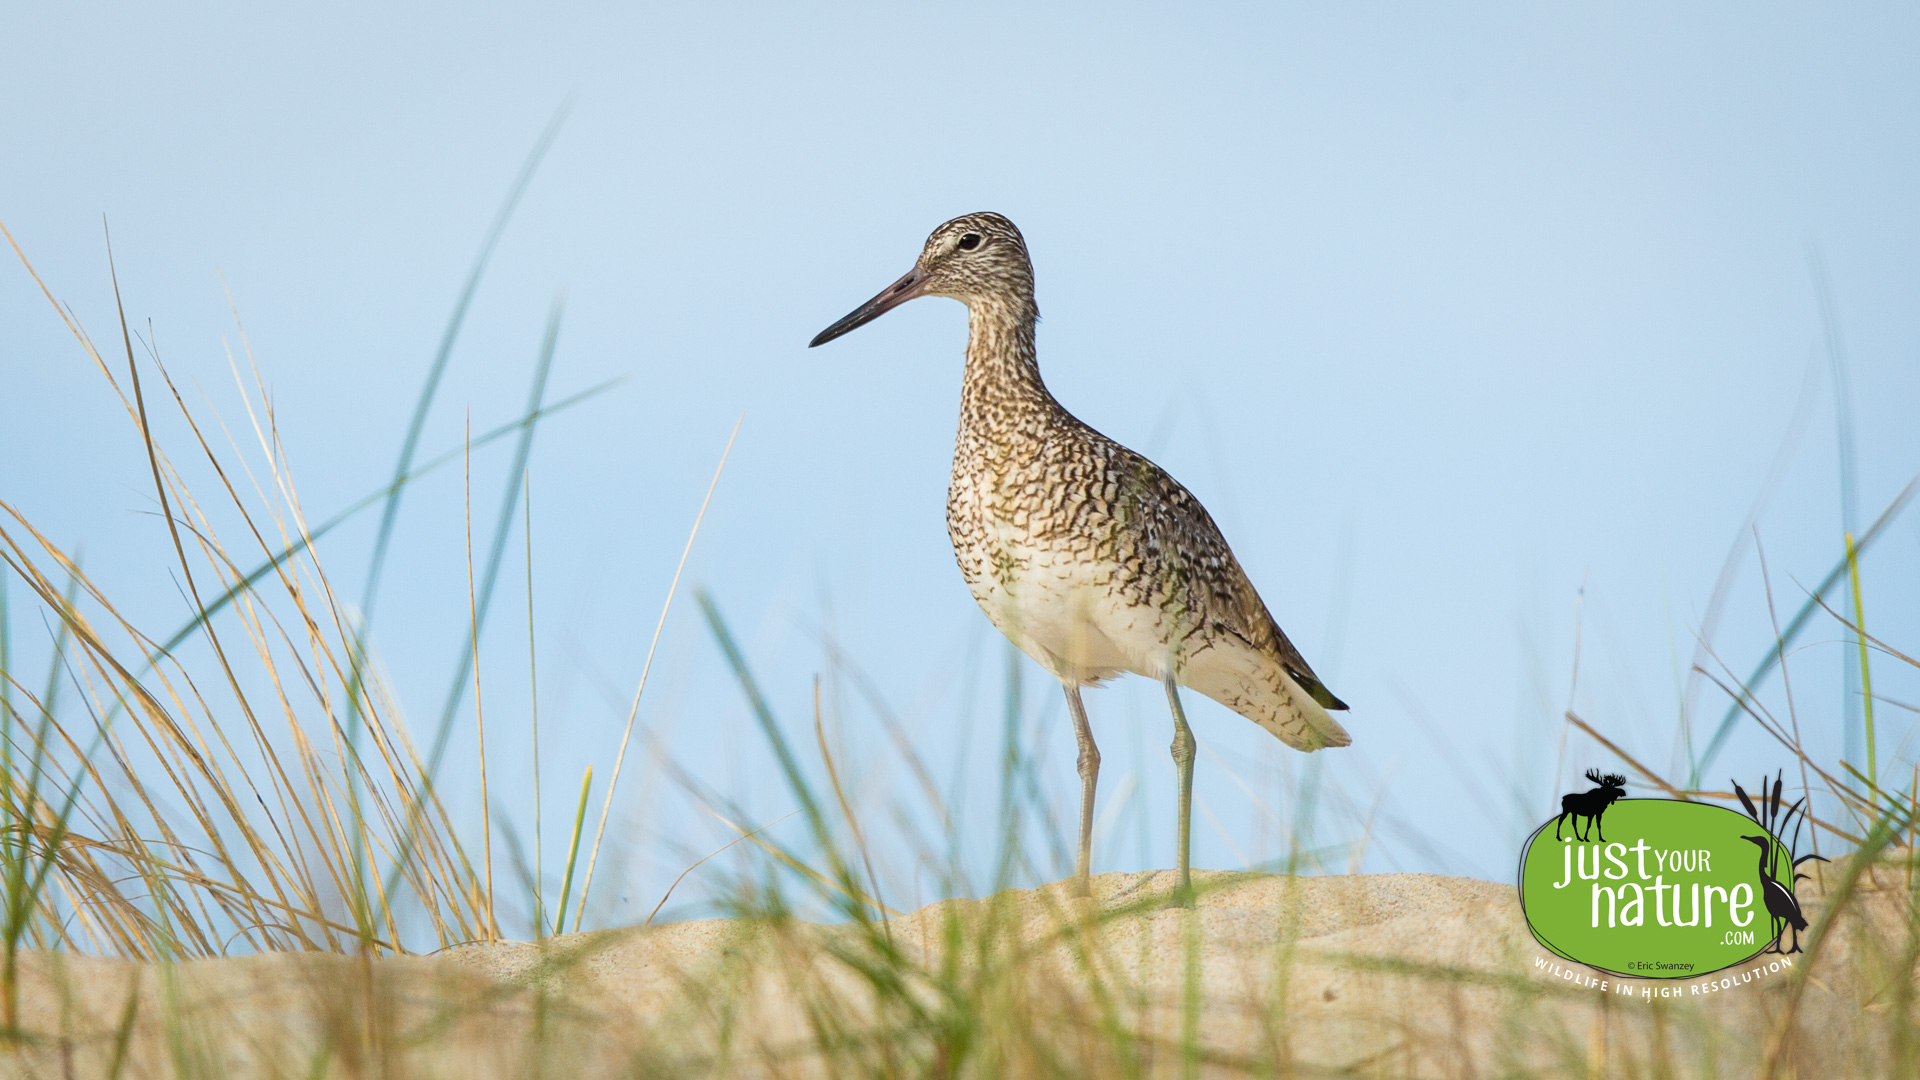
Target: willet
1087, 556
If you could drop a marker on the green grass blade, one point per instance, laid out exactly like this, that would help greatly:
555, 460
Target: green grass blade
389, 514
6, 705
503, 526
573, 855
845, 889
1866, 675
1798, 623
763, 713
353, 509
1846, 455
123, 1033
437, 369
533, 696
1011, 771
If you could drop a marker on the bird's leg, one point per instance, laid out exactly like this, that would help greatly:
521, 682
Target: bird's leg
1183, 761
1089, 764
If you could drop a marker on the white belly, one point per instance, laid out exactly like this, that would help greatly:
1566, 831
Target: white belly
1064, 613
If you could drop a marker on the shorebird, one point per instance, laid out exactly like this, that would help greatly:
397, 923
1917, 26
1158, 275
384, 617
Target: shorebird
1087, 556
1782, 907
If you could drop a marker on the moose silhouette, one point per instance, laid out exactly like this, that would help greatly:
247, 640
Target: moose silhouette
1590, 804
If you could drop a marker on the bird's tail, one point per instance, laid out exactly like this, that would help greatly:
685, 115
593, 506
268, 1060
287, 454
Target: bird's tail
1317, 690
1261, 690
1306, 726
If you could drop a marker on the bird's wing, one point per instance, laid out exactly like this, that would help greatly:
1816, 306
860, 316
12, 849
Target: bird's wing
1218, 590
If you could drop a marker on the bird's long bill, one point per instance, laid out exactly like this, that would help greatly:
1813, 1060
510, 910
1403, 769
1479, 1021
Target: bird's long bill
908, 287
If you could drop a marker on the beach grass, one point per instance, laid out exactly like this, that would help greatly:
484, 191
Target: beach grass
224, 854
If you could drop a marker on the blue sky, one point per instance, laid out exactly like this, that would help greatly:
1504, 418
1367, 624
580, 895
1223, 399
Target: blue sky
1446, 316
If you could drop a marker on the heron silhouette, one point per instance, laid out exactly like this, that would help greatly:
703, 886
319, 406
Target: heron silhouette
1781, 905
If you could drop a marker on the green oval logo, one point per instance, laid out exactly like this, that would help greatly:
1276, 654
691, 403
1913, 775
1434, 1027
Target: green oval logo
1656, 888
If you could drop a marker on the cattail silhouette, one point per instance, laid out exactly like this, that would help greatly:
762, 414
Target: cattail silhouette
1782, 904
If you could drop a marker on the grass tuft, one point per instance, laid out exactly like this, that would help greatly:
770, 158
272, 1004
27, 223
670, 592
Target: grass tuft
245, 792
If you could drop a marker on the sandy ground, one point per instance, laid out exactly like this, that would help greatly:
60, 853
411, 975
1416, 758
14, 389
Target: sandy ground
1391, 975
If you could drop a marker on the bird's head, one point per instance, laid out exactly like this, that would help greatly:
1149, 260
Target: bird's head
1765, 842
977, 259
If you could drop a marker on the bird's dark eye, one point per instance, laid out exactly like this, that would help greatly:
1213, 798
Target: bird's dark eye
969, 242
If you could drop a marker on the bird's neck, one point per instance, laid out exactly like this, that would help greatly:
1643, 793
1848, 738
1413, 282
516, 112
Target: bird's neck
1002, 390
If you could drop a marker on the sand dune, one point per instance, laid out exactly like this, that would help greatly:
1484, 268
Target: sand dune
1394, 974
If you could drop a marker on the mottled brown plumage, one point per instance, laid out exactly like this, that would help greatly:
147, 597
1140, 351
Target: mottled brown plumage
1088, 556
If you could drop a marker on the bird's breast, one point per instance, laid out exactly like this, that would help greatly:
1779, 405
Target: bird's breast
1038, 544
